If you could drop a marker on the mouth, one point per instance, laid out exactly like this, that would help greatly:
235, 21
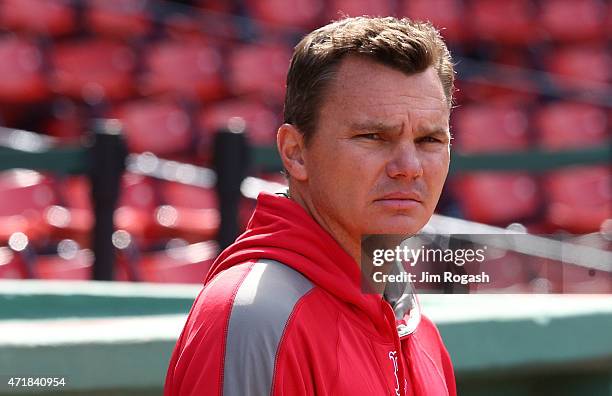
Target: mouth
400, 201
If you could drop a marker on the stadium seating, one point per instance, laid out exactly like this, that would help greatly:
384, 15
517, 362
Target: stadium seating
506, 22
177, 73
183, 69
71, 265
119, 18
258, 70
583, 67
11, 265
162, 127
580, 198
77, 266
608, 21
21, 78
490, 128
304, 14
134, 211
67, 121
566, 125
93, 70
188, 212
446, 15
261, 122
338, 8
569, 20
24, 196
185, 196
52, 17
217, 6
495, 198
187, 264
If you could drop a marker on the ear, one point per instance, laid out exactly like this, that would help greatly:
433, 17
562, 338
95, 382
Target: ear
290, 143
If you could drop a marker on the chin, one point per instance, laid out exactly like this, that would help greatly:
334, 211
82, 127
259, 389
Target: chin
399, 227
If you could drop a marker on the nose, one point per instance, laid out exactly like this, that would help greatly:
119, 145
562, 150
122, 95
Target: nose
405, 162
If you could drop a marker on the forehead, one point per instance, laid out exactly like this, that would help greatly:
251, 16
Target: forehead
364, 89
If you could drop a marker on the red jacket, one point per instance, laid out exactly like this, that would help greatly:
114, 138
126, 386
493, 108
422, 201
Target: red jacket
282, 313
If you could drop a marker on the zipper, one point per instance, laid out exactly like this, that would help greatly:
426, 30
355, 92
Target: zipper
390, 319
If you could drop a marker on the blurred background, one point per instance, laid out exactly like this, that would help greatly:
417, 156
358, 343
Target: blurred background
198, 88
533, 91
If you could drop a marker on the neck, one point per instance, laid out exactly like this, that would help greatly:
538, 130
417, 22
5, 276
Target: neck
349, 243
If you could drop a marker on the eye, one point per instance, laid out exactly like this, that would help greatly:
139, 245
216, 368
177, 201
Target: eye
429, 139
370, 136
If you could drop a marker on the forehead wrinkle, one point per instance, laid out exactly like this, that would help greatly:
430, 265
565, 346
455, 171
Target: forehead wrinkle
409, 102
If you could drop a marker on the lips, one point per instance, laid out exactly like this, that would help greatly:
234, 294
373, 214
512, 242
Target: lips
400, 200
401, 196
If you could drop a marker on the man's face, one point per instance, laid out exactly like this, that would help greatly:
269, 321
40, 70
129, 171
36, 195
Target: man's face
379, 157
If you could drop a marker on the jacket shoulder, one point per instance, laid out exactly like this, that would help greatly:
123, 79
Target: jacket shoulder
262, 307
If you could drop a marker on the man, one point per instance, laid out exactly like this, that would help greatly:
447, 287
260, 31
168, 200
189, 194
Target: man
365, 145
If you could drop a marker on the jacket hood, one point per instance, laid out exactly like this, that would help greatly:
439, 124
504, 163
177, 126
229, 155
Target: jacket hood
280, 229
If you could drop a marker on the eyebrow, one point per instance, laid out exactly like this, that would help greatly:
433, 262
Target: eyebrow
380, 126
375, 126
436, 131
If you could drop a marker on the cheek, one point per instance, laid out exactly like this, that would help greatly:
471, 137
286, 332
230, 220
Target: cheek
436, 170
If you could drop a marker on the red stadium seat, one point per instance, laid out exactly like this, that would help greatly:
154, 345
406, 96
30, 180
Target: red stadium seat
94, 70
337, 8
497, 198
76, 192
486, 128
21, 78
134, 211
446, 15
566, 125
11, 266
261, 122
188, 264
161, 127
67, 122
77, 267
119, 18
24, 196
53, 17
136, 206
138, 192
259, 70
192, 225
188, 212
507, 22
198, 23
573, 20
191, 69
223, 6
579, 199
582, 67
305, 14
609, 20
186, 196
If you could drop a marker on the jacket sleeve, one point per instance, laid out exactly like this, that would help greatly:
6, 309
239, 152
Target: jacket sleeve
231, 340
431, 340
449, 373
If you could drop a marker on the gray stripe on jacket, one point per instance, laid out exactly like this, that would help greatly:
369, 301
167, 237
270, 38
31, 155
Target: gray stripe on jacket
261, 308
